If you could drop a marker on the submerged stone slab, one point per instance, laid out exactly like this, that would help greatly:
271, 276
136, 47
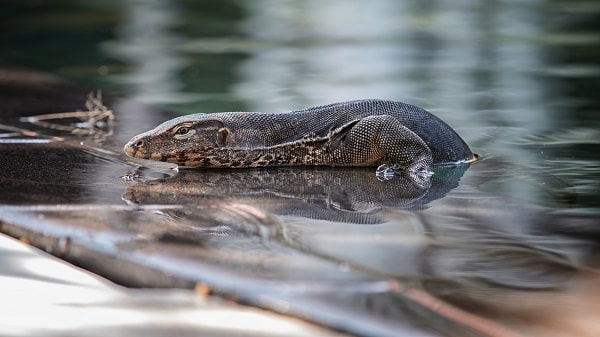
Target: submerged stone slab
44, 296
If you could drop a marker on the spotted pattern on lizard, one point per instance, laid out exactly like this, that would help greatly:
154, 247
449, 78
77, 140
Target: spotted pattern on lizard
356, 133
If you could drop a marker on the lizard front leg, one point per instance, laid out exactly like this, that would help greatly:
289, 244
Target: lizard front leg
382, 140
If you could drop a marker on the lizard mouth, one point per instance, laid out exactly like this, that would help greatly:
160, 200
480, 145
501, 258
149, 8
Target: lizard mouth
129, 150
134, 148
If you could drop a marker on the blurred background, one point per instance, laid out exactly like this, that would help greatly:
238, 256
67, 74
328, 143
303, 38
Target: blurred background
270, 55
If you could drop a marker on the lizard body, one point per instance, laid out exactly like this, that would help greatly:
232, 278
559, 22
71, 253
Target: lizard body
356, 133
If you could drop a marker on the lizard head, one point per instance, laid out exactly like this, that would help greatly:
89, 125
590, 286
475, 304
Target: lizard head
183, 141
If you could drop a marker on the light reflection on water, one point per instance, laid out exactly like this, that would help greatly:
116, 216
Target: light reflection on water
518, 81
146, 43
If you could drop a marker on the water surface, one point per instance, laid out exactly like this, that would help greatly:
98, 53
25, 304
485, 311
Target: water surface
503, 247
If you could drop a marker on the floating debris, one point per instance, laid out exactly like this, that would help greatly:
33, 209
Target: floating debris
97, 120
130, 176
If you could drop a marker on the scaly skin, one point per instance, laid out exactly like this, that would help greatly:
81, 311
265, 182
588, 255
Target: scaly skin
357, 133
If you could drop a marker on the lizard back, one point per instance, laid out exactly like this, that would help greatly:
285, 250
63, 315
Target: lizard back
301, 137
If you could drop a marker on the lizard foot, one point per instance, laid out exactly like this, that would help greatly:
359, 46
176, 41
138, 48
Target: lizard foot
387, 172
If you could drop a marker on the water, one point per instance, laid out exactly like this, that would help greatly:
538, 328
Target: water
506, 240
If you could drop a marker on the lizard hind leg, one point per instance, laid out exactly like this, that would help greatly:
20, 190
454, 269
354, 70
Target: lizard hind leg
383, 139
405, 151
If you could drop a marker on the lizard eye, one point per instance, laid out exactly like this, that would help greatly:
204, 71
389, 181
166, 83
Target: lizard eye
183, 132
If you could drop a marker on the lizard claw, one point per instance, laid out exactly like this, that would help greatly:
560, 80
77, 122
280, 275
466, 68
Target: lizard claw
386, 172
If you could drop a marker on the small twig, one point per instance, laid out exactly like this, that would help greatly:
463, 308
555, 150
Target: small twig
71, 129
28, 133
90, 119
9, 135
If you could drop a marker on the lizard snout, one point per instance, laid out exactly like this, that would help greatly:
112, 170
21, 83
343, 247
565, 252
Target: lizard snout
134, 147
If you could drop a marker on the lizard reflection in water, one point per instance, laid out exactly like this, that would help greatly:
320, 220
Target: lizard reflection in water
352, 195
392, 135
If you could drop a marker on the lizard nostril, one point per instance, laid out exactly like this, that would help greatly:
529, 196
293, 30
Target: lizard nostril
139, 143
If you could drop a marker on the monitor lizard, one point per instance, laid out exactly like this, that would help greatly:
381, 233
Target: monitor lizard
396, 135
